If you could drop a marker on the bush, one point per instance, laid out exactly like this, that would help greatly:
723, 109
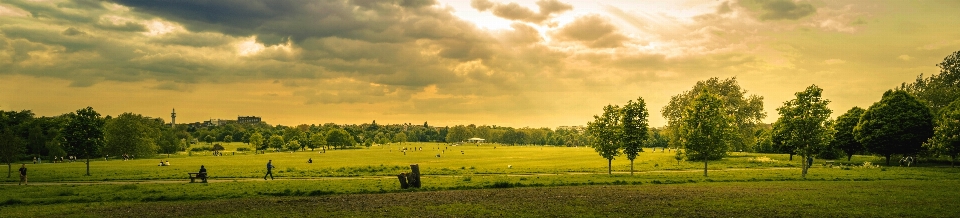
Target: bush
217, 147
201, 148
243, 149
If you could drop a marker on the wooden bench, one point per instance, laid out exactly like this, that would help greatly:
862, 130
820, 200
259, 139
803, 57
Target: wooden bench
194, 176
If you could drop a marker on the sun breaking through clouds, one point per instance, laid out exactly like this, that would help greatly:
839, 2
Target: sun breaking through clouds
538, 63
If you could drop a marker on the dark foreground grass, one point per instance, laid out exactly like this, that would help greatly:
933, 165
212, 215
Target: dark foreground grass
879, 198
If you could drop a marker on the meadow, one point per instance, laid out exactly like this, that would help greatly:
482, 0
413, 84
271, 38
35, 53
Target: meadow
367, 176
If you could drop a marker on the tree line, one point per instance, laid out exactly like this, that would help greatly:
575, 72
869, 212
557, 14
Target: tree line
717, 116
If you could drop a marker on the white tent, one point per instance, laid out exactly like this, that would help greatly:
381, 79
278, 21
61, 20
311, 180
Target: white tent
475, 140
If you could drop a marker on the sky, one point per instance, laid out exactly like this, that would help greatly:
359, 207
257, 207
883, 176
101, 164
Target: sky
543, 63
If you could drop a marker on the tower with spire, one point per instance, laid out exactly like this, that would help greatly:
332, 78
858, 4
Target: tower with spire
173, 119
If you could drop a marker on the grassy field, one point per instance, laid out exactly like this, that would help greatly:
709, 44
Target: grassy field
367, 177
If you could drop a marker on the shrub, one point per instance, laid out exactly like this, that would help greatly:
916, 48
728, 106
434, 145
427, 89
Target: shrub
243, 149
201, 148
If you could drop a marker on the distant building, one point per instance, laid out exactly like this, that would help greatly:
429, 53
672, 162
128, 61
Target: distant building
248, 119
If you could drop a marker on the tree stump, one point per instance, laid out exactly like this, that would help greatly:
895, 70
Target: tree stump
414, 176
403, 181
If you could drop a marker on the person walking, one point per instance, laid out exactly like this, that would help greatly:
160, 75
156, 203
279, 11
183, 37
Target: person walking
269, 170
23, 174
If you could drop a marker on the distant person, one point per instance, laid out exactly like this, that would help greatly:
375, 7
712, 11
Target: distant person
34, 160
23, 174
269, 170
203, 173
167, 163
310, 160
161, 163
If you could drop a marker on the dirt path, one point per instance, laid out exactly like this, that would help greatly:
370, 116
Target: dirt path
219, 180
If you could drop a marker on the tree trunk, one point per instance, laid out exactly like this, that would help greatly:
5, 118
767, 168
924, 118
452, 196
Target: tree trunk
631, 167
791, 157
10, 169
803, 166
609, 166
888, 160
88, 166
849, 156
704, 167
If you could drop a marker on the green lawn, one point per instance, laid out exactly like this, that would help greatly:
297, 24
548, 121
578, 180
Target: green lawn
370, 173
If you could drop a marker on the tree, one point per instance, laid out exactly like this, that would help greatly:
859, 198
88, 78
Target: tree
897, 124
11, 147
705, 129
745, 112
843, 138
605, 134
657, 139
400, 137
317, 140
129, 133
84, 134
339, 138
256, 140
458, 133
293, 145
228, 139
803, 122
169, 143
945, 139
939, 90
209, 139
634, 124
276, 141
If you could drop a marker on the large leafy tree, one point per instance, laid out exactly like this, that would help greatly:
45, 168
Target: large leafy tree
843, 138
11, 147
256, 140
605, 133
339, 138
169, 143
803, 123
276, 141
132, 134
939, 90
705, 129
458, 133
745, 111
634, 123
84, 134
946, 135
897, 124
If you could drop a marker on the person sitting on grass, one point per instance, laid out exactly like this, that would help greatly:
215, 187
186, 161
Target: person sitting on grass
310, 160
166, 163
161, 163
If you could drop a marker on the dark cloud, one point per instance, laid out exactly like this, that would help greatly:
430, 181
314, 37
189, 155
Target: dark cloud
783, 9
724, 8
513, 11
72, 32
593, 31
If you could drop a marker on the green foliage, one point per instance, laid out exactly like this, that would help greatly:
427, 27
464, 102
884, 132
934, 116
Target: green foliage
209, 139
938, 90
945, 140
458, 133
84, 134
634, 123
339, 138
130, 134
843, 138
293, 145
705, 129
10, 147
803, 123
745, 112
228, 138
256, 140
658, 139
276, 141
605, 133
897, 124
